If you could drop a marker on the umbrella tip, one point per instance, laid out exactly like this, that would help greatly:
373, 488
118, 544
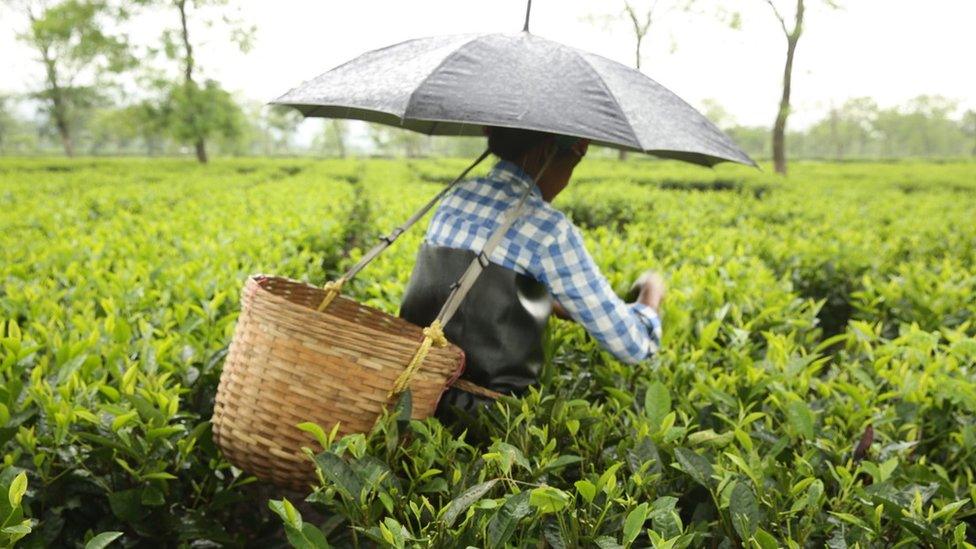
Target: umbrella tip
528, 11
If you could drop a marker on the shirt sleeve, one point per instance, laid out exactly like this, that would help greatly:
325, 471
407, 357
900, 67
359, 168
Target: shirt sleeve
631, 332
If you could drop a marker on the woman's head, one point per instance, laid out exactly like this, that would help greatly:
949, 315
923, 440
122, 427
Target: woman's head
529, 149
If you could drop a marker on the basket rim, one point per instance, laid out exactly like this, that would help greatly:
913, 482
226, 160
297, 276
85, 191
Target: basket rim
257, 278
259, 288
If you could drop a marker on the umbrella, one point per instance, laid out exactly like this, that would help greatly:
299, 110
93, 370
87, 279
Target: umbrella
457, 84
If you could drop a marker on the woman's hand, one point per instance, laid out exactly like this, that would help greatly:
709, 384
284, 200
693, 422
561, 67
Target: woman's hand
652, 290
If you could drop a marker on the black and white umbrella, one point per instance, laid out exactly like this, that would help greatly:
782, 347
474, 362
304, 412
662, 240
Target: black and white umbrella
456, 85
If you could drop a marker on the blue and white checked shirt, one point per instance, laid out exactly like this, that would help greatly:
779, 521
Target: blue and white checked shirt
544, 244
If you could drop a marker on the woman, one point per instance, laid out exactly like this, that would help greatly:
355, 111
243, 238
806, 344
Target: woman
540, 267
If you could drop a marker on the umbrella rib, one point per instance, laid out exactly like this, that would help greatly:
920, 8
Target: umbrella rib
606, 88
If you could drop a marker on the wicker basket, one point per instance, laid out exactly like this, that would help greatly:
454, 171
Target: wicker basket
289, 363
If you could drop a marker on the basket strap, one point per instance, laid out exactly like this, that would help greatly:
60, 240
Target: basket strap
469, 387
434, 334
464, 284
333, 288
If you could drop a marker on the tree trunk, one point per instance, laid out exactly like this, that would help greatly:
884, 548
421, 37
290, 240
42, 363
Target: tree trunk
835, 134
779, 128
58, 107
200, 145
639, 33
639, 40
340, 139
201, 151
64, 130
622, 154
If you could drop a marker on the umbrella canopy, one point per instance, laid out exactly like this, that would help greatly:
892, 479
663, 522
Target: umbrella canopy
456, 85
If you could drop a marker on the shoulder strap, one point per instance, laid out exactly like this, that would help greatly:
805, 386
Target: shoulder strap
434, 334
464, 284
332, 288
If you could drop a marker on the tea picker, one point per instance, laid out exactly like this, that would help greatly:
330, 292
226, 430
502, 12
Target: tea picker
306, 354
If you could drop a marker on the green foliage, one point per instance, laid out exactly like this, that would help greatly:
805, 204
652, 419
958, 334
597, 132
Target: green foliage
73, 33
191, 111
70, 39
13, 486
815, 386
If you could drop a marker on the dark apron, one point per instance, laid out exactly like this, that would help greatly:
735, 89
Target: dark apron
499, 325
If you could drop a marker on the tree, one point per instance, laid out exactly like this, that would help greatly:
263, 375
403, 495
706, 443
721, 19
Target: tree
848, 130
968, 124
640, 19
392, 141
125, 129
151, 121
332, 139
196, 113
935, 133
717, 114
16, 134
460, 147
8, 122
70, 39
194, 116
792, 36
754, 140
281, 122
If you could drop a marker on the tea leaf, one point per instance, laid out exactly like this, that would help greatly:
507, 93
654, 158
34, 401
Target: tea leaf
709, 436
17, 489
308, 537
744, 510
338, 472
634, 523
548, 499
657, 403
607, 542
801, 418
102, 540
553, 533
562, 461
162, 475
502, 525
316, 431
664, 517
18, 531
766, 540
461, 503
586, 490
127, 505
696, 466
284, 509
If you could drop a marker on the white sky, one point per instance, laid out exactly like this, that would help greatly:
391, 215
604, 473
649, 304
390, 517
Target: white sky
891, 50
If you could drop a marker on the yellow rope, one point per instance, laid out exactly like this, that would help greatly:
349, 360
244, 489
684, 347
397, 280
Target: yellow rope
433, 335
332, 289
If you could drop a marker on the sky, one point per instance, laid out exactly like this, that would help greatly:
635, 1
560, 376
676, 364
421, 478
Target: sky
890, 50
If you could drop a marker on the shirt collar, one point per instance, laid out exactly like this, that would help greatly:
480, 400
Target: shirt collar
506, 170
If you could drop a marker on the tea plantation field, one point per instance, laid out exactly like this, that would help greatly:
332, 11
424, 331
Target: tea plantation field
816, 387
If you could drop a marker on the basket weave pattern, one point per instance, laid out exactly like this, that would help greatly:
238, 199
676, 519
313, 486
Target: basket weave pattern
289, 363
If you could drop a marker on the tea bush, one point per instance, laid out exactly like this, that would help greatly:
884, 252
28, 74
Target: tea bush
816, 386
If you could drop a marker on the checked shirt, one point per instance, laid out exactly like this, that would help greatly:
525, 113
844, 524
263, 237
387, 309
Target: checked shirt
544, 244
